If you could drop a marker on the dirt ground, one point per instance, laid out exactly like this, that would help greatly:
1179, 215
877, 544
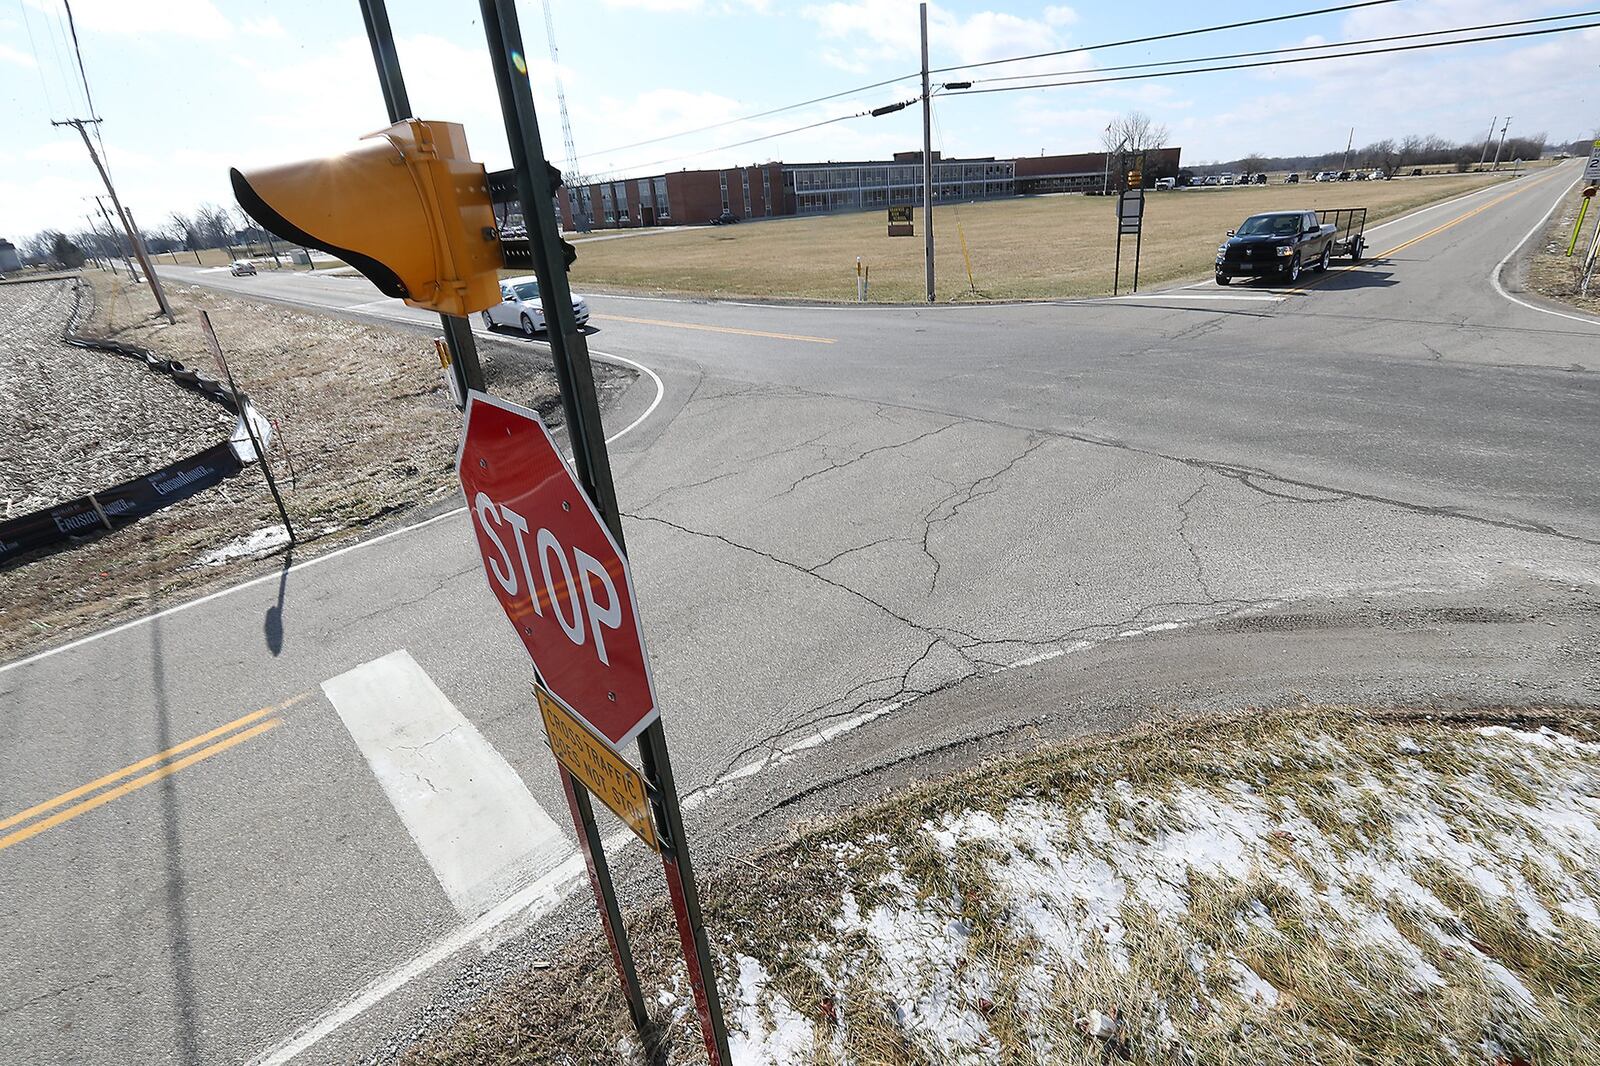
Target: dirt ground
366, 432
1034, 247
1551, 273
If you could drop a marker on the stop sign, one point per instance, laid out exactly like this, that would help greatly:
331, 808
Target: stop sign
552, 564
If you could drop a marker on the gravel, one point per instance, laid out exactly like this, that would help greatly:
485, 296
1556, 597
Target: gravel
78, 420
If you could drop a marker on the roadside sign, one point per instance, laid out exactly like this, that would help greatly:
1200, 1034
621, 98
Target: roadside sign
900, 221
1130, 211
554, 567
1591, 170
602, 771
1135, 179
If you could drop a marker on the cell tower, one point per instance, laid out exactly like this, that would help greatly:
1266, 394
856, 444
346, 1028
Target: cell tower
573, 177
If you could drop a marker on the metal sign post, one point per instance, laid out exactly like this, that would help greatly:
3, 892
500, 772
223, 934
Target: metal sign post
536, 184
241, 404
1130, 220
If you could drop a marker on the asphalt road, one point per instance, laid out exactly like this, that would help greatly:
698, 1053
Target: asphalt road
863, 539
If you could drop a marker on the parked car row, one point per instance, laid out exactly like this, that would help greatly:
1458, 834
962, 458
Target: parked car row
1352, 175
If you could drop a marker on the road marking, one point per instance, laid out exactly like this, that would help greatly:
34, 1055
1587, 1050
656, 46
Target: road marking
137, 783
1420, 237
1258, 297
716, 329
1499, 268
133, 768
469, 813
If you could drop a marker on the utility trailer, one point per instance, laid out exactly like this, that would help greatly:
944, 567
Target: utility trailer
1349, 228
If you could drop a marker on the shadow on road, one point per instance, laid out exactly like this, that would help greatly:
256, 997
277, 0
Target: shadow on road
272, 625
186, 1045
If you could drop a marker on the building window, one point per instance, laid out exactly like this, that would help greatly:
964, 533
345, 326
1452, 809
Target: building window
766, 190
745, 176
663, 208
722, 180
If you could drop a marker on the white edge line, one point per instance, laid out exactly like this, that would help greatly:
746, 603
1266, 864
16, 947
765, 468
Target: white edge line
1499, 268
661, 391
537, 899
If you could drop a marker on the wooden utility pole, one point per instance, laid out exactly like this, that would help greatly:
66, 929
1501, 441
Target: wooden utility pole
134, 242
927, 160
112, 227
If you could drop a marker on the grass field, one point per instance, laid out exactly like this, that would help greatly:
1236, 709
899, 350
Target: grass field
213, 257
1040, 247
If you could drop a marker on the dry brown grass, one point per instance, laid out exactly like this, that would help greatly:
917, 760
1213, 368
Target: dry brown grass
1041, 247
1342, 999
366, 432
259, 253
1551, 273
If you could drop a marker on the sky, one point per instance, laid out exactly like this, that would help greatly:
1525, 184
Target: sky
188, 88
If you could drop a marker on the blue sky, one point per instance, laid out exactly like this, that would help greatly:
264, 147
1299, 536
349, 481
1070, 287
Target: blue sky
190, 87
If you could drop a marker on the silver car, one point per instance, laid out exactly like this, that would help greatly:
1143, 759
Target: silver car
520, 308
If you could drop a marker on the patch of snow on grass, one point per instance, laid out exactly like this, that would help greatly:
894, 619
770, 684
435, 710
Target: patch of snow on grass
936, 987
788, 1039
261, 542
1251, 986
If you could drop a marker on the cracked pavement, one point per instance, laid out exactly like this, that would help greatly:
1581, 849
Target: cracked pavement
952, 533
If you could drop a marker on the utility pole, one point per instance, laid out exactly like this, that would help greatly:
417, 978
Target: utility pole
1345, 163
927, 159
133, 236
457, 330
1501, 146
132, 276
1484, 158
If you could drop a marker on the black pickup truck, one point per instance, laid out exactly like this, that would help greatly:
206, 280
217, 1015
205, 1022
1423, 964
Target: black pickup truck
1280, 243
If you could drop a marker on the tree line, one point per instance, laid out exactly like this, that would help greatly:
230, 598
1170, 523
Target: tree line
1392, 155
208, 226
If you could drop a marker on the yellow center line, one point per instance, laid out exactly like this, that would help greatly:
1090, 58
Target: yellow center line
117, 775
1420, 237
715, 329
137, 783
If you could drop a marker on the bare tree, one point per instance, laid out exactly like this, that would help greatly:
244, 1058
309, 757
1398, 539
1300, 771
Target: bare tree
1384, 154
215, 225
1253, 164
1134, 132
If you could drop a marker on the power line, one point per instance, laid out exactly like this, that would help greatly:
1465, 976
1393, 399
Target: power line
37, 64
1167, 36
84, 74
963, 66
1276, 62
1295, 48
749, 118
637, 167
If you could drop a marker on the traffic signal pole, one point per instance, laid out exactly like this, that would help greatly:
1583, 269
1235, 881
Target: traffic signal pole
457, 330
569, 349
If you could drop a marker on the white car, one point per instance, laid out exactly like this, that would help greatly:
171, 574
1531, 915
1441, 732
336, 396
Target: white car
241, 267
519, 306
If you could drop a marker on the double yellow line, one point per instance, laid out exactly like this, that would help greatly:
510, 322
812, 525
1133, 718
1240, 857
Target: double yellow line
73, 802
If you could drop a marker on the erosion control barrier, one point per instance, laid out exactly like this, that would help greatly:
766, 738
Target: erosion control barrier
117, 506
120, 505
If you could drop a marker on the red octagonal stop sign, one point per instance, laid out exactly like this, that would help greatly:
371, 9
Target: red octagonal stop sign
553, 566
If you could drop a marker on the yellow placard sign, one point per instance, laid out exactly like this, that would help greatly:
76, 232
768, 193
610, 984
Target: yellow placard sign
603, 772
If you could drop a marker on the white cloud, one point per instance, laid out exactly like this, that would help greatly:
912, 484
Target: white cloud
265, 26
1060, 15
180, 18
11, 55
